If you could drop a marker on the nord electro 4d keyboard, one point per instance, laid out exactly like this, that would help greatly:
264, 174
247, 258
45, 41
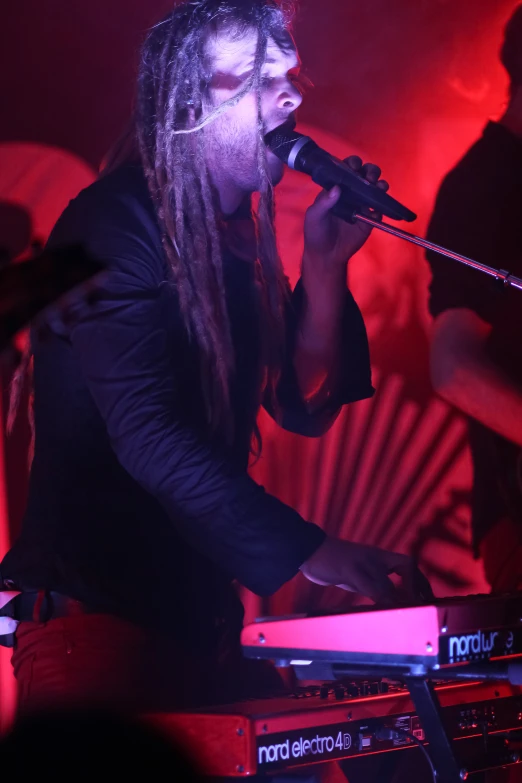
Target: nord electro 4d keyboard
462, 728
430, 638
321, 724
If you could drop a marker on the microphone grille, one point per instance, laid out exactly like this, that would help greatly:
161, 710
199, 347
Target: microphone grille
281, 140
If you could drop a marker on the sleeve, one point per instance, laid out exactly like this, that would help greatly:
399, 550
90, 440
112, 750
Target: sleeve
124, 352
462, 221
354, 379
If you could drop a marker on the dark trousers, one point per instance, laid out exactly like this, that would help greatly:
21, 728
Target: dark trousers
88, 661
92, 660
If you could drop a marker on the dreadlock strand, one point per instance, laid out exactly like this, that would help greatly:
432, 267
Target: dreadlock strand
271, 269
170, 125
218, 111
171, 79
222, 336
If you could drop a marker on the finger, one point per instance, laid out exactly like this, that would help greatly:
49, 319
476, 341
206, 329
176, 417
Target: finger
414, 581
394, 560
325, 201
415, 584
383, 185
422, 586
373, 584
385, 591
379, 597
371, 172
355, 162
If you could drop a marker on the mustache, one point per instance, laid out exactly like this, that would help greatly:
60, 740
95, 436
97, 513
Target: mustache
288, 121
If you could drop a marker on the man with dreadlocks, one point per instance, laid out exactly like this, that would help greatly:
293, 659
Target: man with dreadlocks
141, 515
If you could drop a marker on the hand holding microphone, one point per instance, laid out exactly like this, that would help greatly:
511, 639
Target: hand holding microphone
350, 188
358, 190
329, 243
358, 195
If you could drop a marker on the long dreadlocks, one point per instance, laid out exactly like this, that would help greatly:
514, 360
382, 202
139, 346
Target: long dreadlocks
171, 115
172, 112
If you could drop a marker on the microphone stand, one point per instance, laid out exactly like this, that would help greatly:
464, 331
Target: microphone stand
501, 275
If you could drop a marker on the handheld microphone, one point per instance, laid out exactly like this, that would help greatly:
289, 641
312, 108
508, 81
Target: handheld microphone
303, 154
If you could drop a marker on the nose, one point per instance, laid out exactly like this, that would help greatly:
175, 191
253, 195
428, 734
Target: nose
289, 98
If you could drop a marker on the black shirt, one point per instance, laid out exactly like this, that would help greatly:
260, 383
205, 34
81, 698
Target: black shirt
133, 506
478, 213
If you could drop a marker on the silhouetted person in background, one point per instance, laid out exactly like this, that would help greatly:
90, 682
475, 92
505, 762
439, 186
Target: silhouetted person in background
476, 350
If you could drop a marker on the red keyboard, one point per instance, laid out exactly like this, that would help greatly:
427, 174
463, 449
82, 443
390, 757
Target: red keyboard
324, 724
427, 638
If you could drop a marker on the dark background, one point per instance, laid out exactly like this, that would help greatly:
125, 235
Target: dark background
66, 68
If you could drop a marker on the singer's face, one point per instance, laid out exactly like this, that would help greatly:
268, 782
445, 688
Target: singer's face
233, 139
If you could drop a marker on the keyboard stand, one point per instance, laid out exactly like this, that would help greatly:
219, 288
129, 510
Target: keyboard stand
424, 697
430, 715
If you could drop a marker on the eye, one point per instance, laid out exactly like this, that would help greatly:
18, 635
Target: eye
225, 81
300, 81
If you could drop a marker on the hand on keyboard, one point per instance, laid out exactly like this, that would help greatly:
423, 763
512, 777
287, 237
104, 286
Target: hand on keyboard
364, 569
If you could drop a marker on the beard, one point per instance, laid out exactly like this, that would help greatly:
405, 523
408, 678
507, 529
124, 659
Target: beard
232, 149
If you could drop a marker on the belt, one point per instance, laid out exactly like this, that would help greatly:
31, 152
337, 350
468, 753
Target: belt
37, 606
40, 606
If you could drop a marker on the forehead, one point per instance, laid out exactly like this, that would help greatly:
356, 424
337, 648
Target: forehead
229, 52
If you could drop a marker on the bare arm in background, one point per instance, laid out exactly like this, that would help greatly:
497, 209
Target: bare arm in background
464, 374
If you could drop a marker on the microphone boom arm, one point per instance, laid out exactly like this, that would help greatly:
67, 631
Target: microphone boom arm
503, 276
301, 153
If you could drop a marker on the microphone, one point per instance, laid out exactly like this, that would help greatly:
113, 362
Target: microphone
303, 154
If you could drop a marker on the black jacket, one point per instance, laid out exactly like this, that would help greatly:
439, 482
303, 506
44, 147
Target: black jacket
133, 507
